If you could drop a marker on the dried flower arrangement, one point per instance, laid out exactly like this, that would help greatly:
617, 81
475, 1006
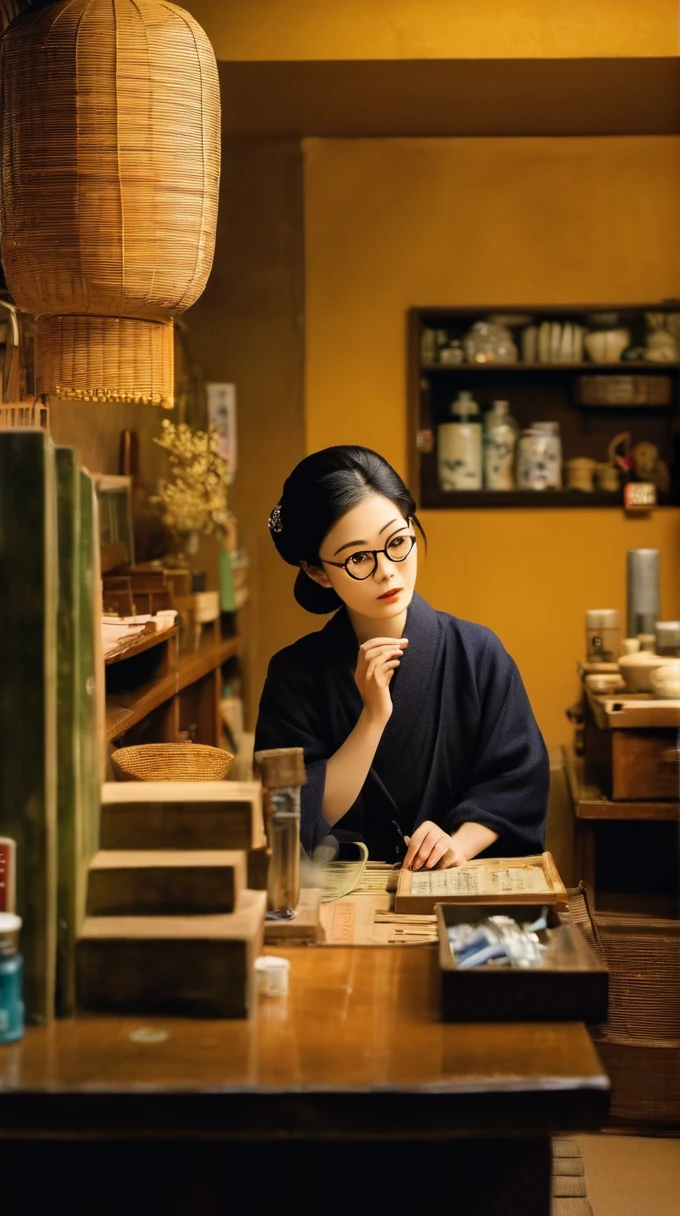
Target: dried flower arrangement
195, 499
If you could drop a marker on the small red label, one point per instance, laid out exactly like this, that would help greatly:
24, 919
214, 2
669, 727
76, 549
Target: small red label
7, 874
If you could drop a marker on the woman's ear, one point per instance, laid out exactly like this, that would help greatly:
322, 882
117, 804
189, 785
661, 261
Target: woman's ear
316, 573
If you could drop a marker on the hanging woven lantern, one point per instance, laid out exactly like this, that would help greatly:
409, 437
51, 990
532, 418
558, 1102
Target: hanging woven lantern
110, 175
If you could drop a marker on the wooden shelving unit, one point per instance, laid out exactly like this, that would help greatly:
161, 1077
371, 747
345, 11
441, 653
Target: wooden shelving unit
152, 687
536, 392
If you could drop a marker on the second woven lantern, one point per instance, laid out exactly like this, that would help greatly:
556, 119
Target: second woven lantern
110, 176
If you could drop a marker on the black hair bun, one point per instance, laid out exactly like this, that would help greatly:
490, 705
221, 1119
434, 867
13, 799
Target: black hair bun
311, 596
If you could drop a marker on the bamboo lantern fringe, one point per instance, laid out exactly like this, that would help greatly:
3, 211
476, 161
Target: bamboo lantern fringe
110, 171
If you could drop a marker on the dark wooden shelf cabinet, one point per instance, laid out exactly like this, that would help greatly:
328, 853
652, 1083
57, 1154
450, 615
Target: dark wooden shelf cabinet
536, 392
157, 693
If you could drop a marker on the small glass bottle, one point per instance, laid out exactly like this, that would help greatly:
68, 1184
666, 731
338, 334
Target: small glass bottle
11, 979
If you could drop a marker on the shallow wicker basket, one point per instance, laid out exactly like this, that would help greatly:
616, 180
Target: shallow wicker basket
171, 762
624, 390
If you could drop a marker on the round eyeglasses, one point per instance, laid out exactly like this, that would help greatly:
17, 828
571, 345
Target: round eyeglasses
363, 564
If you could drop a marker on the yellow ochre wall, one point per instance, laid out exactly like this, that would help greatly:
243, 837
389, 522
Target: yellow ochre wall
437, 29
395, 223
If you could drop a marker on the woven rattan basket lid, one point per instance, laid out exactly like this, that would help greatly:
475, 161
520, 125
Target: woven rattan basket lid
171, 762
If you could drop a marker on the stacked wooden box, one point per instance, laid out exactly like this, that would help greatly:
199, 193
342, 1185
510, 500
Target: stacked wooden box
171, 926
627, 822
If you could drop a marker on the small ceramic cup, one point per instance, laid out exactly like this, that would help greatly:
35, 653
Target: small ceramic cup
607, 477
272, 975
630, 646
580, 473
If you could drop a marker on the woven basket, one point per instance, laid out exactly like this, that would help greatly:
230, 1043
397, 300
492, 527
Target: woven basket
110, 176
624, 390
643, 957
171, 762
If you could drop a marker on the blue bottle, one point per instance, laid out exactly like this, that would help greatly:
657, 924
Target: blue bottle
11, 977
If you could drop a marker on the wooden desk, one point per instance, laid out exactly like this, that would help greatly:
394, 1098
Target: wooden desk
348, 1094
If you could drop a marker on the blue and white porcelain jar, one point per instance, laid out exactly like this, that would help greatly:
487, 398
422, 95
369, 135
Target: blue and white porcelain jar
459, 446
500, 438
539, 457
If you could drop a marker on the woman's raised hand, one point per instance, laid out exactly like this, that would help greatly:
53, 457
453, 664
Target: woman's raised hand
377, 662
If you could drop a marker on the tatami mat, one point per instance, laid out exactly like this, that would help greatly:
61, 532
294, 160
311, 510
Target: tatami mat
630, 1176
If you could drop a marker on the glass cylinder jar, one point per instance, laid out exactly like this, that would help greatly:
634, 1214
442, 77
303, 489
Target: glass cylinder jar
283, 884
602, 635
11, 979
539, 457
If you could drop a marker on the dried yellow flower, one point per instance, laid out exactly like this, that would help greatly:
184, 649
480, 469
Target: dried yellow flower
195, 500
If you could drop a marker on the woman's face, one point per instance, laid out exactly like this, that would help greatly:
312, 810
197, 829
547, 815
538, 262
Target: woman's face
374, 524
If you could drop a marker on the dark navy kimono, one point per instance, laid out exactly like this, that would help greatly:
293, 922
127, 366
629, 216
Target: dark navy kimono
461, 745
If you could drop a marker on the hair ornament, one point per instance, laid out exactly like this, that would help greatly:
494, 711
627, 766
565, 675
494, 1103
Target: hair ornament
275, 524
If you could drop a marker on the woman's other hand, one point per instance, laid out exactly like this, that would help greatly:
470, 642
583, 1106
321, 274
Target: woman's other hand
377, 662
431, 848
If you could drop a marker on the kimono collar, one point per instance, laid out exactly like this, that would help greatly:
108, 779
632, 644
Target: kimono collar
422, 630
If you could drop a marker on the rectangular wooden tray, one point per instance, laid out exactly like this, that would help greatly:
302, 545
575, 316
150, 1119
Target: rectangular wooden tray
493, 880
573, 986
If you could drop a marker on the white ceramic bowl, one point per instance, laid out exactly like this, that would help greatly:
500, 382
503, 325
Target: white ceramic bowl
637, 669
665, 680
606, 345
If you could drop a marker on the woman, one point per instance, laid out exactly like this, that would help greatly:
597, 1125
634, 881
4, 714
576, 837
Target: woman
418, 735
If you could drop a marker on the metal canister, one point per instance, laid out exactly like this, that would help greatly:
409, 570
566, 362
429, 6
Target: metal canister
644, 594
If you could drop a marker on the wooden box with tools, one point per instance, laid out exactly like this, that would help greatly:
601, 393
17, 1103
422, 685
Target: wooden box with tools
570, 984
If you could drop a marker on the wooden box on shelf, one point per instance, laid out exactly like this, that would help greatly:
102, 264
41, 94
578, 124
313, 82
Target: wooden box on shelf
645, 406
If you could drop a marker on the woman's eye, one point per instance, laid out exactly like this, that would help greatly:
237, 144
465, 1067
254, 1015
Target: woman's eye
397, 542
357, 559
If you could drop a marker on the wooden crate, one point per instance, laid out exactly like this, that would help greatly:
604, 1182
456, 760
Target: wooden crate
171, 883
197, 966
182, 815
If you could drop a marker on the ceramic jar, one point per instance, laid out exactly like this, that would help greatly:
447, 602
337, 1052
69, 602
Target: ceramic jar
580, 474
607, 477
500, 438
539, 457
459, 446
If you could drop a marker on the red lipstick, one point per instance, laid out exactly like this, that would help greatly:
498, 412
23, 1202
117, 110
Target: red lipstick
389, 595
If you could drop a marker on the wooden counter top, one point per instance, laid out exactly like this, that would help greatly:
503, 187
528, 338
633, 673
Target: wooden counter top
356, 1047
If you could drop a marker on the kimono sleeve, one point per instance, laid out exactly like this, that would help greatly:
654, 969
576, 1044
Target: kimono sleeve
287, 718
508, 782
